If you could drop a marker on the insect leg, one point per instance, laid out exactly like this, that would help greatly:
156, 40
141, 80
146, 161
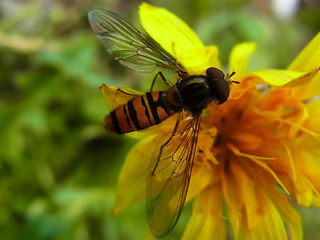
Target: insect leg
163, 79
125, 92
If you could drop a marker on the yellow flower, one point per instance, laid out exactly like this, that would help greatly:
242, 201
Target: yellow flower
256, 153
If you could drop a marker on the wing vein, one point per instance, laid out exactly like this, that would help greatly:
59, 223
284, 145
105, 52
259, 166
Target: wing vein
129, 46
169, 176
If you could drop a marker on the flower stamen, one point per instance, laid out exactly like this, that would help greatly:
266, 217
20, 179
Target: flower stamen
237, 152
311, 186
293, 169
295, 126
262, 164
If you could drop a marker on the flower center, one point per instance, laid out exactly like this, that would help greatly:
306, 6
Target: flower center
242, 127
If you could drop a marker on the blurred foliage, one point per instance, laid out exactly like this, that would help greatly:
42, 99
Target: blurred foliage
58, 166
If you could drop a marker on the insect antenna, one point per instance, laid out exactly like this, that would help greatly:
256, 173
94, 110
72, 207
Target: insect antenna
228, 78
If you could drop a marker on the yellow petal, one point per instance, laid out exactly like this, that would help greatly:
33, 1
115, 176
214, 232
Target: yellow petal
308, 61
201, 177
303, 79
115, 98
234, 204
246, 193
269, 225
313, 121
308, 58
198, 60
168, 30
276, 77
287, 212
132, 178
206, 221
304, 192
307, 86
306, 176
239, 56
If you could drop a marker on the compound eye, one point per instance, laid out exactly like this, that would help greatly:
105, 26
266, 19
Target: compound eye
221, 90
218, 85
214, 73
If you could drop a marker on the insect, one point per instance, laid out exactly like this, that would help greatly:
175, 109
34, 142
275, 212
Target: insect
171, 163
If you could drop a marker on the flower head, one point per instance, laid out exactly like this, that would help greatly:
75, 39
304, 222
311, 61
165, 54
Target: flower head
256, 152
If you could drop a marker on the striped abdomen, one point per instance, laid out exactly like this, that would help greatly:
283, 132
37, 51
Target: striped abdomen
141, 112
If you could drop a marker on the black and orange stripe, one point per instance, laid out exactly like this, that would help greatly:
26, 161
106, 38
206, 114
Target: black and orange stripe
141, 112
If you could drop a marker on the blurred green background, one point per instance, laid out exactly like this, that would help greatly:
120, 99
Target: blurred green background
58, 166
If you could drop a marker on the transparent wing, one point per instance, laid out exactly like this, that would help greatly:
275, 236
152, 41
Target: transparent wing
129, 46
169, 176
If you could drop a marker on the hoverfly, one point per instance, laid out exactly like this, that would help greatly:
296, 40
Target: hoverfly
171, 164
